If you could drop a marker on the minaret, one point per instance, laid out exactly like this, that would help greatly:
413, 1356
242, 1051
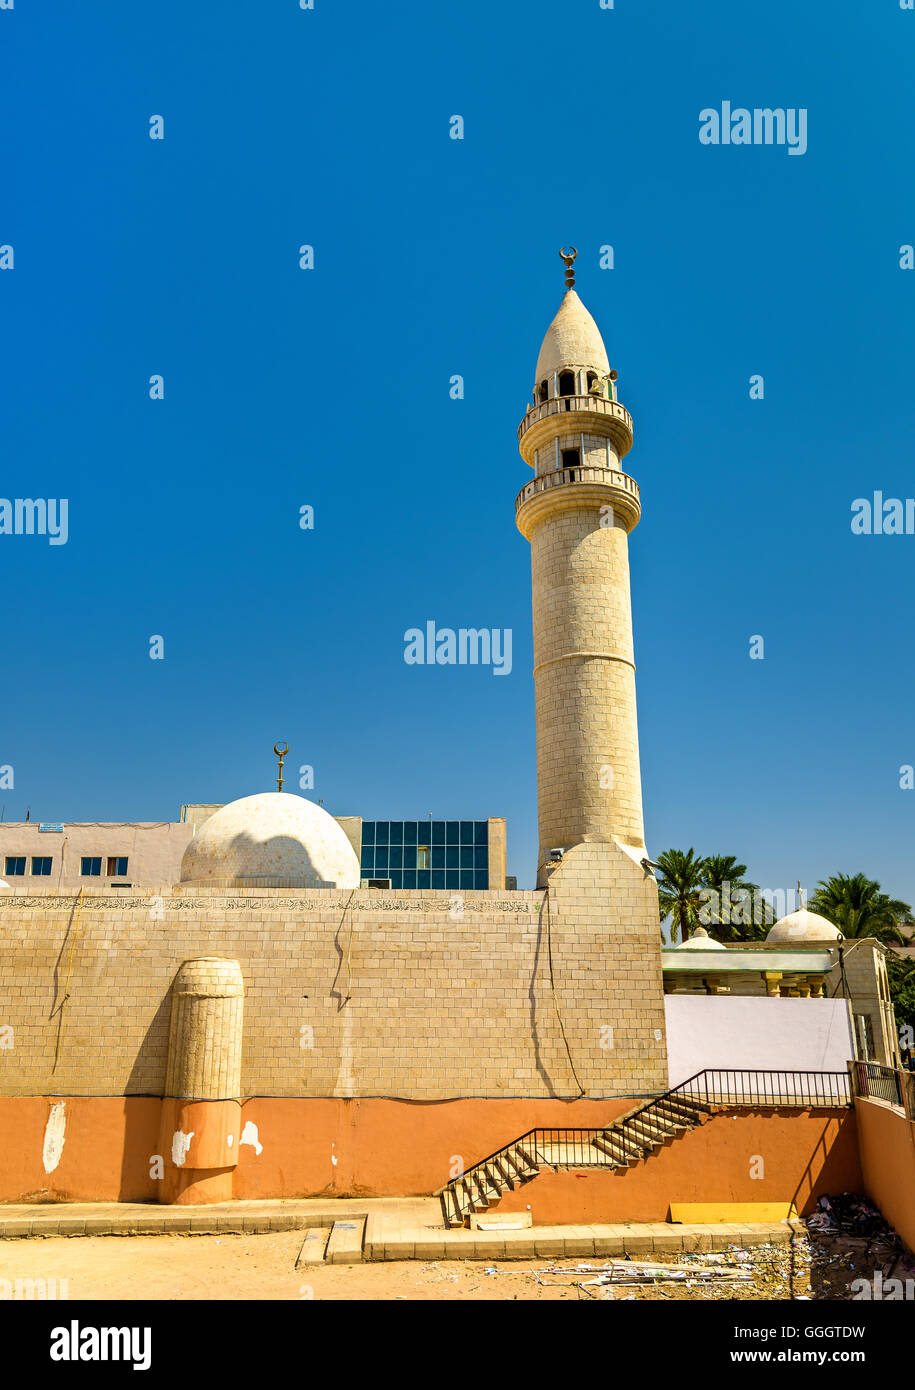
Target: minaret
577, 514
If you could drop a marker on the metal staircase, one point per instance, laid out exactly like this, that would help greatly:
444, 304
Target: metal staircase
638, 1134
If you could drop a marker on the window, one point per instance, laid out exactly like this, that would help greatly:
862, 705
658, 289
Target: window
41, 866
90, 868
544, 391
419, 854
15, 865
592, 379
117, 866
571, 458
567, 383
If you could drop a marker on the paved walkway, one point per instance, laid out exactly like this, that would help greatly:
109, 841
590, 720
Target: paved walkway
396, 1228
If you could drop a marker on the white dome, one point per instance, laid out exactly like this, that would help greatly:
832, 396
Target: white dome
572, 340
804, 926
699, 941
272, 840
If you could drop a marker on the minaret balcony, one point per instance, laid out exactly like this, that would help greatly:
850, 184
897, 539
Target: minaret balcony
581, 486
578, 413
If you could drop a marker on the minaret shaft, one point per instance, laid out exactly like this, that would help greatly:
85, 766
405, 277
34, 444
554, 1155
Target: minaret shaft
588, 778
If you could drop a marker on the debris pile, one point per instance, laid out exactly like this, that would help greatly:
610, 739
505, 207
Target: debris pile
848, 1215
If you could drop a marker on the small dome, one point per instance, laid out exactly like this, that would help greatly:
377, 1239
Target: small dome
804, 926
272, 840
699, 941
572, 340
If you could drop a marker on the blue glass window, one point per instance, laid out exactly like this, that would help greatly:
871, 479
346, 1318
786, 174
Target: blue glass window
409, 878
437, 854
481, 859
396, 859
424, 879
481, 833
452, 878
438, 832
409, 832
381, 860
452, 857
41, 867
368, 832
368, 859
438, 878
15, 865
467, 853
481, 878
466, 832
452, 832
396, 878
381, 832
466, 878
409, 857
396, 832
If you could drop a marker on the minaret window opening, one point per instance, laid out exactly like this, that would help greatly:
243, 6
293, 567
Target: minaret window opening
571, 459
544, 391
567, 383
592, 378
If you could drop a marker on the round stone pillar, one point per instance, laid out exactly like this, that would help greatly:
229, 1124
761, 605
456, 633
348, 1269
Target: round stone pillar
201, 1111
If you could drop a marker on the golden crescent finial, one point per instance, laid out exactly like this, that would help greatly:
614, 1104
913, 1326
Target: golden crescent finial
568, 254
280, 753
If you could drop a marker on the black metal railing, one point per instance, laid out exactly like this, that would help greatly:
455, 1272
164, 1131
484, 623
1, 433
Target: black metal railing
877, 1082
753, 1087
710, 1087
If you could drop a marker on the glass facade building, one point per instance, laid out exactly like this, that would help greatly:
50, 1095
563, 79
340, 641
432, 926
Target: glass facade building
425, 853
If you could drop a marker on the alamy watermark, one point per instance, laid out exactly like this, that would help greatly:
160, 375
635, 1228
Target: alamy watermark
35, 516
883, 516
761, 126
465, 646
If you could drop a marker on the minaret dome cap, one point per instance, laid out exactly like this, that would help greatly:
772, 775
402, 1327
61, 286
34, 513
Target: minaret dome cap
572, 340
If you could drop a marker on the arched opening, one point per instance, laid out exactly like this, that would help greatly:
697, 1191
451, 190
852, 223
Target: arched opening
592, 379
544, 390
567, 383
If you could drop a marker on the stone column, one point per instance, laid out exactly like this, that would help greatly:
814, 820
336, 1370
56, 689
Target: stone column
201, 1111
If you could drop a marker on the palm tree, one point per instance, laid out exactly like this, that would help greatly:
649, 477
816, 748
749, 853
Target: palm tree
723, 876
855, 904
678, 890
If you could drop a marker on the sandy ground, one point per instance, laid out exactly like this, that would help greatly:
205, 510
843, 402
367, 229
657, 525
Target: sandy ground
263, 1267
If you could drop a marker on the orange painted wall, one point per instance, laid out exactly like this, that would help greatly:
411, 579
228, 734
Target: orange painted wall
805, 1153
106, 1155
381, 1147
887, 1142
404, 1148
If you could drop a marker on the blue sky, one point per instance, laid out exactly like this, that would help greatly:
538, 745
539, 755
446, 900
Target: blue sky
330, 388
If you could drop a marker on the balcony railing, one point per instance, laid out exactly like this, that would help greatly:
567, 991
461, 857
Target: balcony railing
582, 473
558, 405
874, 1081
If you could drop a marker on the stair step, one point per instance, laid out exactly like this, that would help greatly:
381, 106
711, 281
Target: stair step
451, 1207
688, 1114
313, 1246
652, 1132
506, 1173
345, 1244
613, 1148
525, 1162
